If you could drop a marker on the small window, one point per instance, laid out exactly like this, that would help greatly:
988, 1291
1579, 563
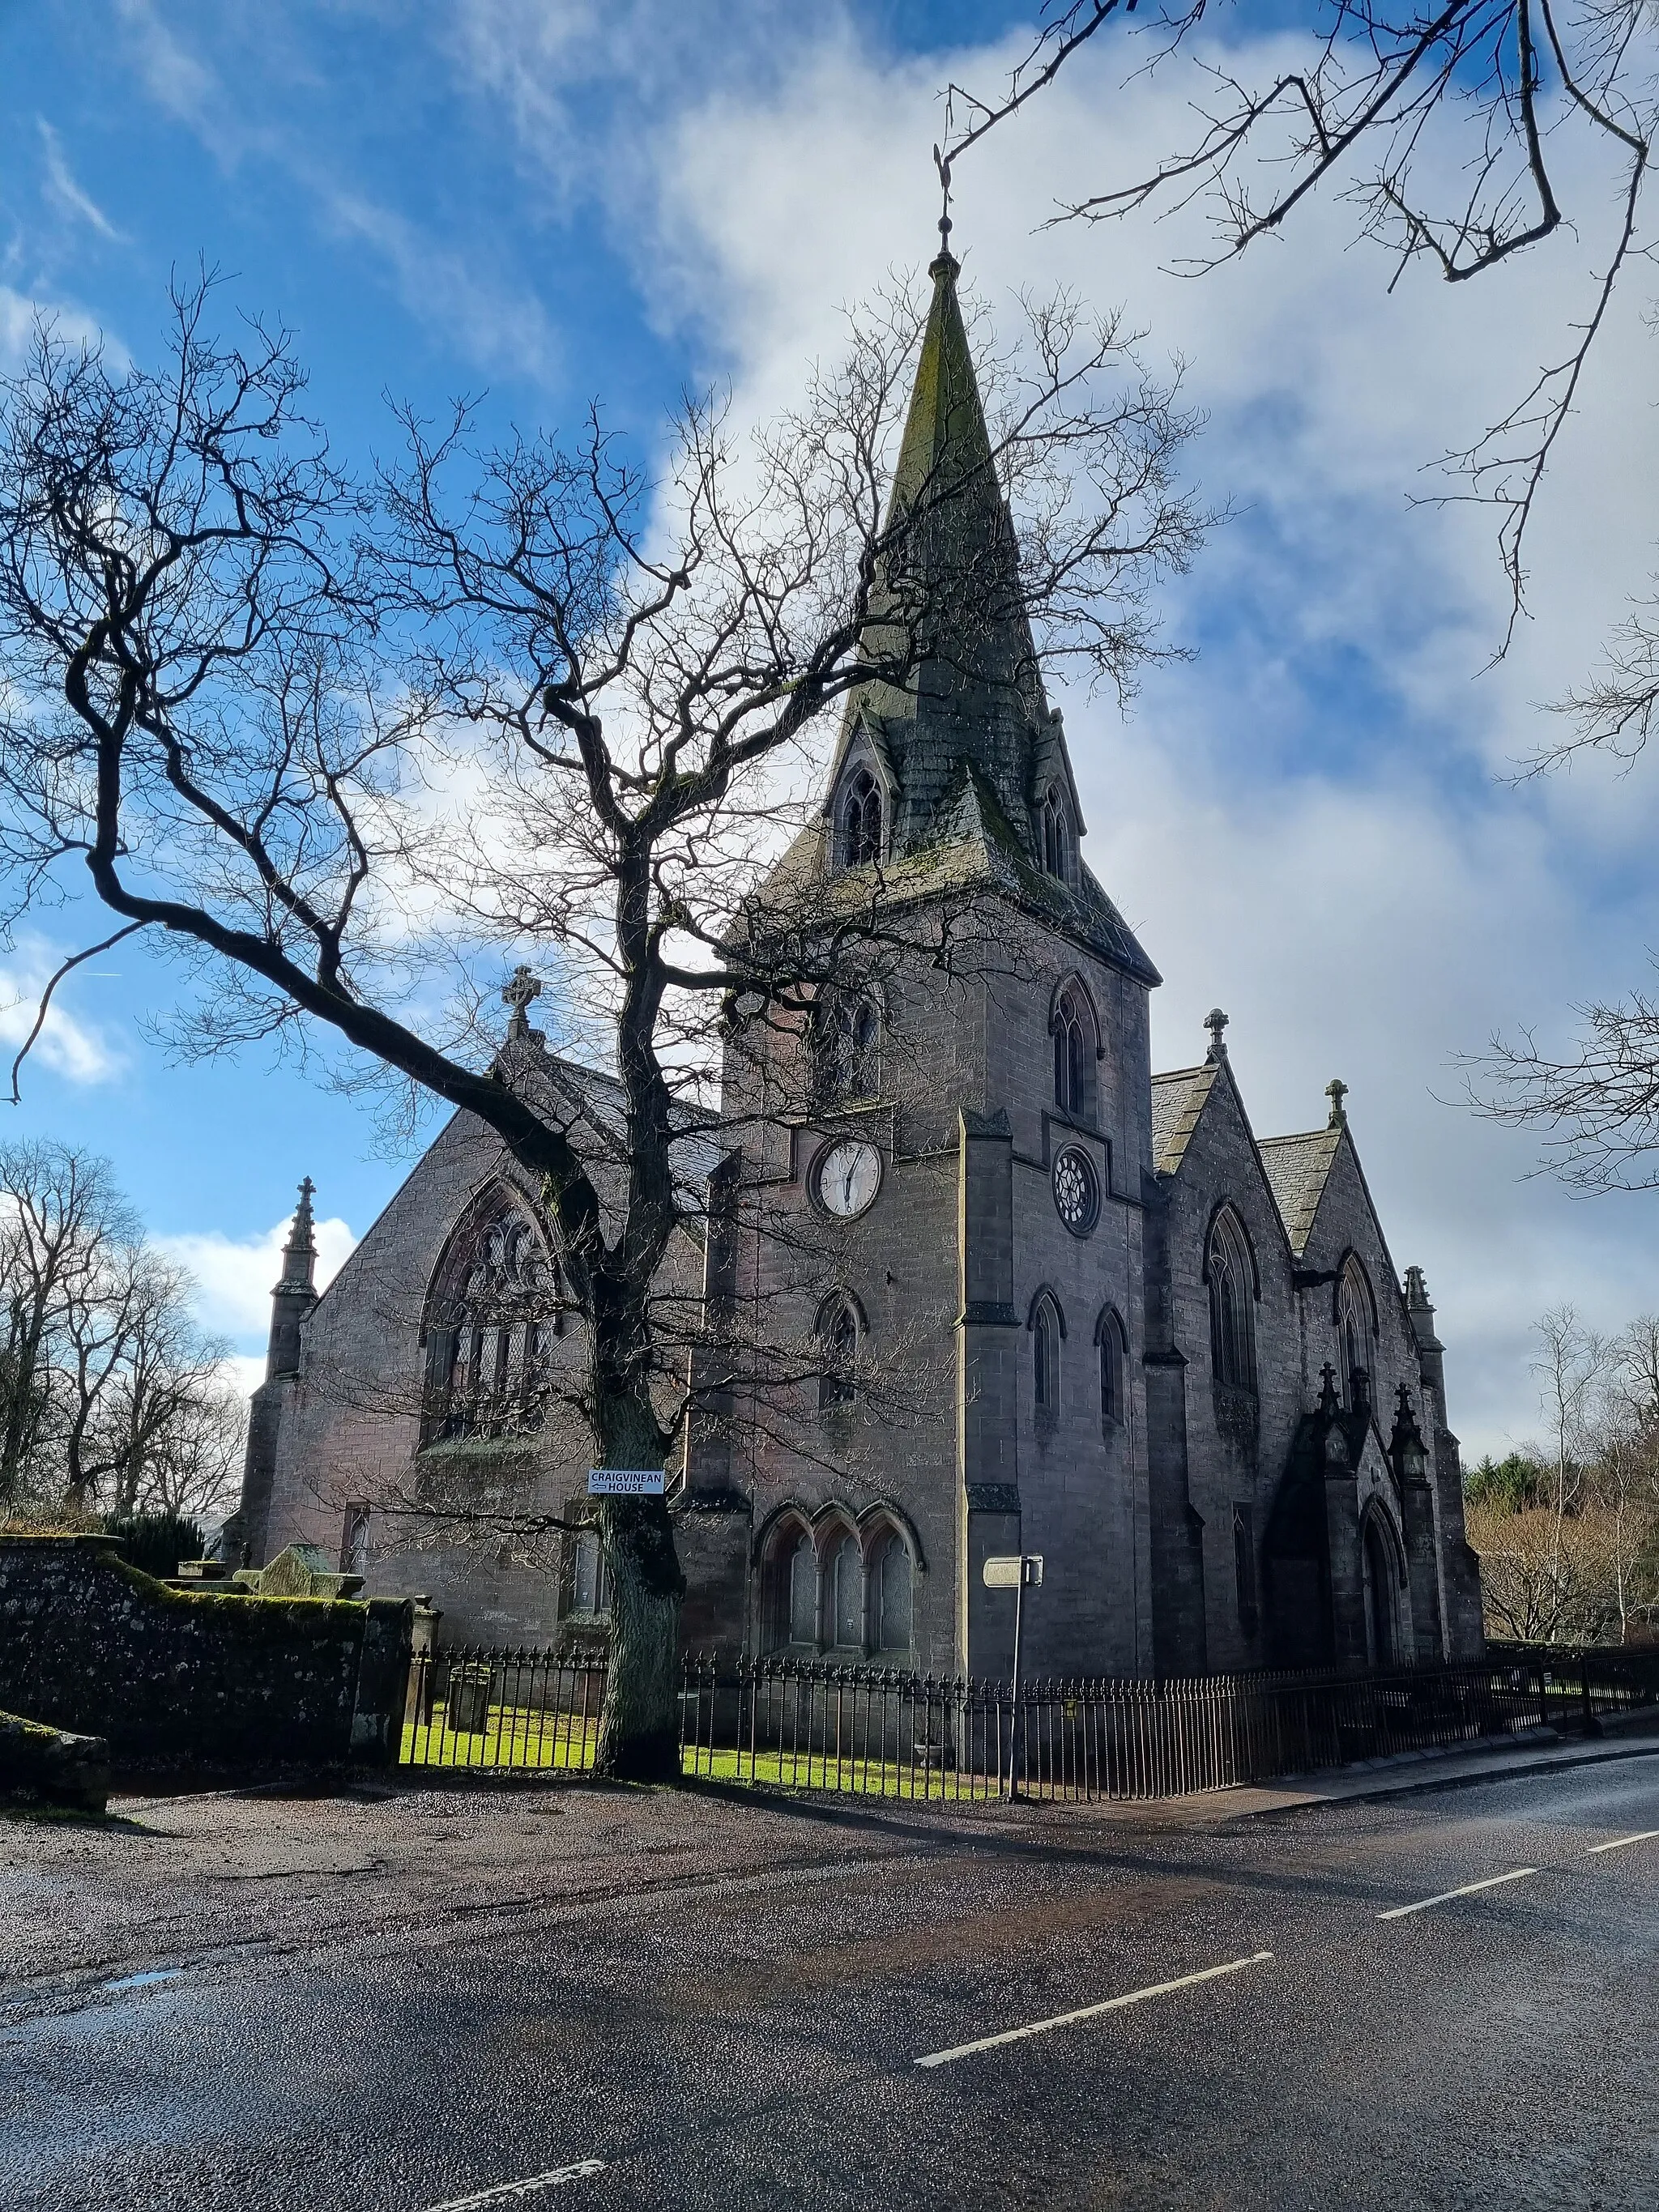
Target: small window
804, 1593
838, 1332
588, 1591
860, 820
848, 1595
893, 1588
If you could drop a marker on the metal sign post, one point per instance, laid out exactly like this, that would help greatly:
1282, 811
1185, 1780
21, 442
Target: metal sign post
1018, 1571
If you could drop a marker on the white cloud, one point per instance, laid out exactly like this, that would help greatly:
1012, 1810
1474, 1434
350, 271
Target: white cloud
236, 1274
70, 1046
1308, 824
65, 193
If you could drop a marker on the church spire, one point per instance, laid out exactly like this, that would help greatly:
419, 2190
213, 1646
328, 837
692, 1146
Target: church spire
952, 596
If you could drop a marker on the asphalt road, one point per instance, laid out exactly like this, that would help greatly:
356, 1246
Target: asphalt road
732, 2025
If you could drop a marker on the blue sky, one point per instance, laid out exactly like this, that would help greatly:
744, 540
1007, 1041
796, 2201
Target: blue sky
551, 200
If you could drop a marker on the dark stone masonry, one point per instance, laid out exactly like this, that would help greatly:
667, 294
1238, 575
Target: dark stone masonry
1119, 1328
210, 1678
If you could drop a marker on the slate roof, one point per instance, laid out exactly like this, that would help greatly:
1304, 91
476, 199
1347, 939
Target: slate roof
1297, 1168
1178, 1097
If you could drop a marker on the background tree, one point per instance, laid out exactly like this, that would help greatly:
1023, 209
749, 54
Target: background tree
112, 1400
322, 734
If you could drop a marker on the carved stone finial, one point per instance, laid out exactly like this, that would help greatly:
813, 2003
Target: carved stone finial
1215, 1022
1417, 1290
1329, 1402
299, 1235
1336, 1091
521, 990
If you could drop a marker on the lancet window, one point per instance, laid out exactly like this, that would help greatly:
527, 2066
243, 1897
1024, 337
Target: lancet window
1074, 1052
1356, 1342
496, 1308
860, 820
1057, 836
1046, 1332
1232, 1303
846, 1044
839, 1334
1111, 1369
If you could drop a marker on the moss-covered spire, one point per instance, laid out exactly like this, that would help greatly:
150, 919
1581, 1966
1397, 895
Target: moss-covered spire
953, 598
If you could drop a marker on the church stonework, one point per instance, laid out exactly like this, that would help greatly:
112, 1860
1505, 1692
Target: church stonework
1174, 1359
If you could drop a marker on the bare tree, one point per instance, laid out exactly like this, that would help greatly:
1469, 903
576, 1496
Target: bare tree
1572, 1366
1462, 135
321, 736
1457, 133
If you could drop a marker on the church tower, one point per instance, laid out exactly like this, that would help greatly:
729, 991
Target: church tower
945, 1210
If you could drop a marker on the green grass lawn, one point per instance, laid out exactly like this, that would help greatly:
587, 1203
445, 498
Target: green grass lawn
523, 1739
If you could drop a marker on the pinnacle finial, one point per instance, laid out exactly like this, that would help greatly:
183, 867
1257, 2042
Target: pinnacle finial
1215, 1022
942, 163
300, 1238
1336, 1091
521, 988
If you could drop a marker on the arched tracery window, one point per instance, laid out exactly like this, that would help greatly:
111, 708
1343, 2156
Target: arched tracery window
1356, 1342
1232, 1303
1074, 1052
840, 1334
847, 1045
860, 820
495, 1310
1057, 836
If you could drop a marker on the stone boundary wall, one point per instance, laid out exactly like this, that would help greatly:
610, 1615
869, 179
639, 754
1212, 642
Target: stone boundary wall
199, 1678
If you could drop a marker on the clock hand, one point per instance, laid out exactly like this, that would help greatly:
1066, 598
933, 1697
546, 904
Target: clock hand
847, 1181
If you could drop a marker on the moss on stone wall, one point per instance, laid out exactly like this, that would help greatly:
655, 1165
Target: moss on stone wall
89, 1642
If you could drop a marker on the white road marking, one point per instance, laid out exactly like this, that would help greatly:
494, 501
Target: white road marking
506, 2192
1090, 2012
1644, 1836
1469, 1888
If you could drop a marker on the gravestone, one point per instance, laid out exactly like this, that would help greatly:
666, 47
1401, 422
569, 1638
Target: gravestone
302, 1571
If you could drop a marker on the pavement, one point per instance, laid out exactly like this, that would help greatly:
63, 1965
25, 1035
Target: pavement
1432, 1984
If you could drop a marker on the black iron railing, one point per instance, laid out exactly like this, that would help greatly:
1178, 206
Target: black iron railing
877, 1732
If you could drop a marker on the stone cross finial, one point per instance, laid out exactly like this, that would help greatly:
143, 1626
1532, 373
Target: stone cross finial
1215, 1021
300, 1238
518, 992
1336, 1091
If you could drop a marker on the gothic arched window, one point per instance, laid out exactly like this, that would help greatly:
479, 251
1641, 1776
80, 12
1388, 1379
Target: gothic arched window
1058, 838
1232, 1303
1111, 1369
859, 818
1355, 1342
847, 1047
839, 1334
847, 1595
588, 1591
1046, 1330
1075, 1051
490, 1325
893, 1601
803, 1592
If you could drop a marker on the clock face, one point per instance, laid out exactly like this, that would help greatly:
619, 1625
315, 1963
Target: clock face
848, 1177
1076, 1194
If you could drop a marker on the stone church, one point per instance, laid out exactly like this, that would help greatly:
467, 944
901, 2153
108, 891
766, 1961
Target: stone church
1175, 1358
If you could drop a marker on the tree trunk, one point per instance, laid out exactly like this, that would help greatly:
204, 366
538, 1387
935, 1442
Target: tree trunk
640, 1723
